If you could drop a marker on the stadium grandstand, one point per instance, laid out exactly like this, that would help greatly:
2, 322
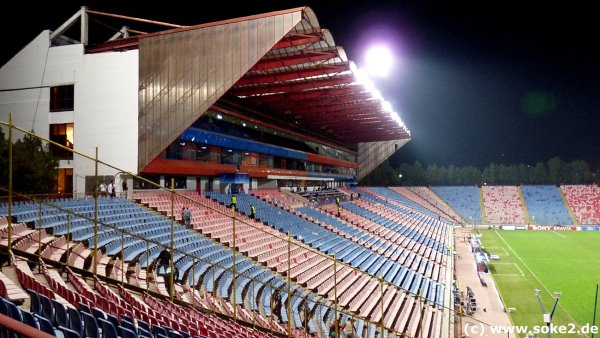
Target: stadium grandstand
197, 170
207, 186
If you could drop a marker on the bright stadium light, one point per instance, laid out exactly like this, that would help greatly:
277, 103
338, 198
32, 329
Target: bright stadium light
387, 106
379, 60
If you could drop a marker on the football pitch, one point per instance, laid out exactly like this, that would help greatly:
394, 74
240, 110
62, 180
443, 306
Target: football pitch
551, 261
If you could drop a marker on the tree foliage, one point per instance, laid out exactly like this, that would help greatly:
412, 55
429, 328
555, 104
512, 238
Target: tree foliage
383, 175
555, 171
34, 166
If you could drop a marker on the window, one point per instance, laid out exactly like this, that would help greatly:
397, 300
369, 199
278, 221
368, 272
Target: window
62, 134
141, 184
64, 183
180, 182
62, 98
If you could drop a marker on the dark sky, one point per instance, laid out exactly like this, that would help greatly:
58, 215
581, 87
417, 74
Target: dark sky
476, 82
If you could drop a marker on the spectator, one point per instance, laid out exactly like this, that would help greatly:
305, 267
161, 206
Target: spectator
124, 186
234, 202
112, 190
350, 329
163, 268
187, 217
103, 189
339, 329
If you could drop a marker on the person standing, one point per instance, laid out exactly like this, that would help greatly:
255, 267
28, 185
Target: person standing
350, 329
187, 217
252, 211
124, 187
339, 329
234, 202
102, 189
112, 190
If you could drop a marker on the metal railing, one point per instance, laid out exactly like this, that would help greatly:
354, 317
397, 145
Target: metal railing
314, 309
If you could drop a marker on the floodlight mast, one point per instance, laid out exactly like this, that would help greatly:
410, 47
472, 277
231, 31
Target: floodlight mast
547, 316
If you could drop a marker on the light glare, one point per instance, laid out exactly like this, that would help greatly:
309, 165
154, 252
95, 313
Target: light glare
379, 61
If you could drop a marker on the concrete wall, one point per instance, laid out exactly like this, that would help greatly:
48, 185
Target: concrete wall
105, 109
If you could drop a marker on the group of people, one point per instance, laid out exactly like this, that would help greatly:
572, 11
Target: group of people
110, 189
346, 330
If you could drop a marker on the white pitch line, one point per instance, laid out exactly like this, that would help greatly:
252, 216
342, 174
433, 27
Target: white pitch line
509, 274
561, 235
493, 248
534, 276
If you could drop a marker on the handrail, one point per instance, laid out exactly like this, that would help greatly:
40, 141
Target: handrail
23, 330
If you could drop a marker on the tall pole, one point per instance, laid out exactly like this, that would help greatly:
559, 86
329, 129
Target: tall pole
97, 190
193, 279
595, 306
122, 254
147, 264
68, 235
171, 293
335, 297
382, 307
39, 249
10, 182
289, 290
233, 267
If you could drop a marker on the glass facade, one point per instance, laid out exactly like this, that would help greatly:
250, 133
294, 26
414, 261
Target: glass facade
62, 134
183, 73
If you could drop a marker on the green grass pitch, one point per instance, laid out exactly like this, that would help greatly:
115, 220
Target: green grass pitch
565, 261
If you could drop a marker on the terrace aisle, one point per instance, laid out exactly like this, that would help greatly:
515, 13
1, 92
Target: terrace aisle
487, 297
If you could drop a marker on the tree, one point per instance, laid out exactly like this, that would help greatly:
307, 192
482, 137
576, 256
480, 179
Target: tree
34, 163
419, 177
555, 170
384, 175
431, 174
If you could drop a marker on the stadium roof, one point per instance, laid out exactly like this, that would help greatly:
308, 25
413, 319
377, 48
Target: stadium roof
280, 66
306, 78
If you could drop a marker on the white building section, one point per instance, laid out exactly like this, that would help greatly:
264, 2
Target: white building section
105, 105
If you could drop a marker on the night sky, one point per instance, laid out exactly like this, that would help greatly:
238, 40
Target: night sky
474, 82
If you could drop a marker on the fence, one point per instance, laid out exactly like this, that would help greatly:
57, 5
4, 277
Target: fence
117, 240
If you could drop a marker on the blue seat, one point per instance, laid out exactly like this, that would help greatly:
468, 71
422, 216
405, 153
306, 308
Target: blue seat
128, 324
29, 319
113, 320
68, 333
144, 333
45, 325
4, 307
143, 325
47, 308
14, 311
127, 333
90, 325
157, 330
84, 308
34, 306
98, 314
108, 330
61, 318
75, 322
